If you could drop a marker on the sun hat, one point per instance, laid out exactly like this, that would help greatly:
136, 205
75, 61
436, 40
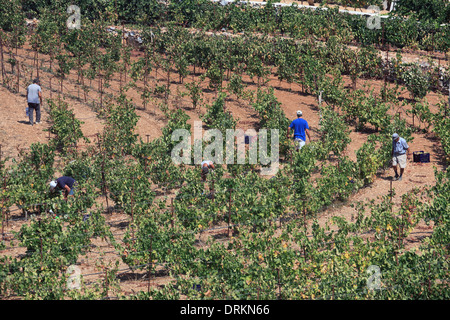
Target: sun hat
395, 136
53, 184
299, 113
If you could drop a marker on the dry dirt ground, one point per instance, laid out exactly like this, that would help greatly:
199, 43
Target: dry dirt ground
16, 134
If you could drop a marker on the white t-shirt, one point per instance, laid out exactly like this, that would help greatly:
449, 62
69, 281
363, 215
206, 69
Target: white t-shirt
33, 93
208, 162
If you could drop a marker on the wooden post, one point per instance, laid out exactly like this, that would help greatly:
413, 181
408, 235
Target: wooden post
105, 193
73, 127
150, 264
3, 218
213, 190
106, 285
37, 62
1, 56
125, 72
40, 238
304, 217
166, 97
172, 212
51, 75
101, 90
3, 212
145, 79
18, 74
390, 189
4, 188
279, 284
82, 86
448, 100
400, 234
61, 85
229, 213
132, 193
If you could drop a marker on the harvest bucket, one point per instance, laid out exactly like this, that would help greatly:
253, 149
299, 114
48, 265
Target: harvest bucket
420, 156
249, 139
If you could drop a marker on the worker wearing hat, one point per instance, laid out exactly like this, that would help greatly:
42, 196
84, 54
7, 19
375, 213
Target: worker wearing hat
301, 130
400, 153
64, 183
206, 165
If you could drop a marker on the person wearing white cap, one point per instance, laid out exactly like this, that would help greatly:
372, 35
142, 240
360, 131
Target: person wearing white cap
206, 165
301, 130
64, 183
400, 153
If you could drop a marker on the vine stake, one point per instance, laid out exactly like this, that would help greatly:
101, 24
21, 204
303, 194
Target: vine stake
229, 213
172, 211
150, 265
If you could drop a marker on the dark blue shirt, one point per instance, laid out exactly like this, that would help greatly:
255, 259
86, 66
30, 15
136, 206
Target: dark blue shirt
63, 181
299, 125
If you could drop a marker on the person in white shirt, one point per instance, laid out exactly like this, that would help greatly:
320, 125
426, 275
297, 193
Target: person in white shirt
34, 99
400, 153
206, 165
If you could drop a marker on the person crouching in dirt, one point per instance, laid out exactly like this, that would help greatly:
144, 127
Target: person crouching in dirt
67, 184
206, 165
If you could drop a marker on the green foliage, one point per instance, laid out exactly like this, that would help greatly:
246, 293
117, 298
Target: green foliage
129, 187
438, 211
195, 93
12, 20
146, 243
369, 161
217, 117
64, 125
334, 131
441, 123
155, 157
421, 111
81, 169
416, 82
362, 109
119, 132
51, 247
271, 116
428, 10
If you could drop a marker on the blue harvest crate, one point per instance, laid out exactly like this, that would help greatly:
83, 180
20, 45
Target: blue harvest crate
420, 156
249, 139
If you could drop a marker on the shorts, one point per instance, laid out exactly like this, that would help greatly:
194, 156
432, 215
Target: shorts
300, 143
400, 160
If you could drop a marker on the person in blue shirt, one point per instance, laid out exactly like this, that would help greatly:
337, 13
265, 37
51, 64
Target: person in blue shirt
400, 153
301, 130
64, 183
